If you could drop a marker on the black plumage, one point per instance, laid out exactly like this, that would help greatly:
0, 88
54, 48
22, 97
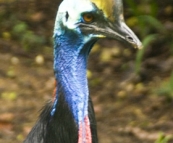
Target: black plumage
61, 128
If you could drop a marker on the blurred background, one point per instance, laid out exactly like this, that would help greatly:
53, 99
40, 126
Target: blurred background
132, 90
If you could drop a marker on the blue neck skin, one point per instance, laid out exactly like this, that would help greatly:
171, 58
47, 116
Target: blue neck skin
71, 52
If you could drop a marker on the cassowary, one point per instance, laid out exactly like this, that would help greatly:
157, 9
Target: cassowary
78, 25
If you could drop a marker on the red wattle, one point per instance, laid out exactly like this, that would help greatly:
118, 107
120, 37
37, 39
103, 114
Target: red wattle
84, 135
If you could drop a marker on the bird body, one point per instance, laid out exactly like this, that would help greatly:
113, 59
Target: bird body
78, 25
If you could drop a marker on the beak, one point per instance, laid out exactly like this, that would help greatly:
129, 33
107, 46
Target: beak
118, 31
123, 33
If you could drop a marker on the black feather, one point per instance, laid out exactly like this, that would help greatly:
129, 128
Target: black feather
60, 128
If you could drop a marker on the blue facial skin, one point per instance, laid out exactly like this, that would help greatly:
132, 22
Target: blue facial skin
71, 50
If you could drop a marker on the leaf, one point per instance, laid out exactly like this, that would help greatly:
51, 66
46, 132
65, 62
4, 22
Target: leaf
171, 82
152, 21
140, 53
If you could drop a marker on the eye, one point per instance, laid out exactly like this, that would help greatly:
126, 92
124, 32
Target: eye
88, 17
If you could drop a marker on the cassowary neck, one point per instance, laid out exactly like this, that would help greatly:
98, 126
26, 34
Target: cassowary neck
70, 63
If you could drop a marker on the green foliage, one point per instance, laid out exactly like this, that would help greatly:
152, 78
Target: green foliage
17, 30
146, 41
28, 38
148, 14
151, 29
171, 83
163, 139
148, 24
146, 7
166, 88
20, 28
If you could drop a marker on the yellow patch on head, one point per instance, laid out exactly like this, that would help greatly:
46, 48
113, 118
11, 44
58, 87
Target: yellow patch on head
107, 7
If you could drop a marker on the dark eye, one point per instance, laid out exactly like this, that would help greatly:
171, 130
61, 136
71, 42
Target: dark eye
88, 17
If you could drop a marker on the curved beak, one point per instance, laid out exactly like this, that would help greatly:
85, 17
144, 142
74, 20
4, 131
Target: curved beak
118, 31
123, 33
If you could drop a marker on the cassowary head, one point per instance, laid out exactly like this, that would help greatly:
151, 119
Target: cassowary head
95, 19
